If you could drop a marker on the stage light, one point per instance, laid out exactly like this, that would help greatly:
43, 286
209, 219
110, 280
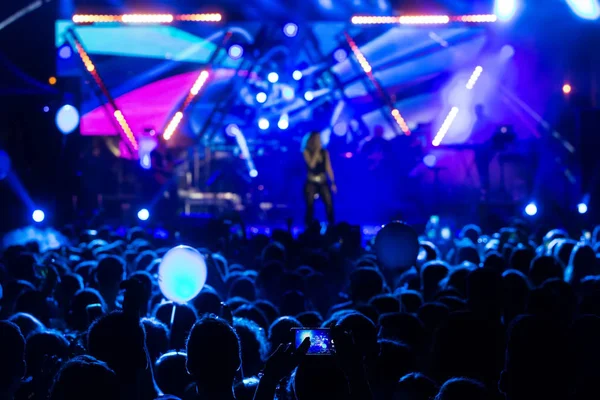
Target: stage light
146, 161
65, 52
67, 119
371, 20
147, 18
261, 97
424, 19
52, 80
309, 96
283, 122
170, 131
446, 233
288, 93
273, 77
400, 121
582, 208
531, 209
586, 9
236, 52
253, 173
340, 129
445, 126
263, 124
430, 160
567, 88
143, 214
507, 52
340, 55
505, 9
125, 126
199, 83
210, 17
38, 216
297, 75
360, 57
290, 29
474, 77
46, 109
232, 130
479, 18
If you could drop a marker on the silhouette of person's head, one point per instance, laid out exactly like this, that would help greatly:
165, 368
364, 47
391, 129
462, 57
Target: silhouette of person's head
415, 386
280, 331
27, 323
432, 274
171, 374
365, 283
213, 350
110, 272
543, 268
253, 343
537, 363
12, 358
463, 389
157, 338
84, 377
119, 341
208, 301
78, 316
44, 347
185, 317
395, 360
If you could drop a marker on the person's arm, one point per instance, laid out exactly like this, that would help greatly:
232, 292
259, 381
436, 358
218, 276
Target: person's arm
329, 170
311, 160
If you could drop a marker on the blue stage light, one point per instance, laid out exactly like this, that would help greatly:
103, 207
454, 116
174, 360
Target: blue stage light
297, 75
283, 123
340, 55
261, 97
143, 214
505, 9
288, 93
273, 77
309, 96
586, 9
430, 160
67, 119
253, 173
263, 124
582, 208
38, 216
236, 52
65, 52
446, 233
290, 29
531, 209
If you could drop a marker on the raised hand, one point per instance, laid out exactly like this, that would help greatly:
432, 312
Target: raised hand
283, 361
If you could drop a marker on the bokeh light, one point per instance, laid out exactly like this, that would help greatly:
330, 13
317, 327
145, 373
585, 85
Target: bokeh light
67, 119
182, 274
38, 216
143, 214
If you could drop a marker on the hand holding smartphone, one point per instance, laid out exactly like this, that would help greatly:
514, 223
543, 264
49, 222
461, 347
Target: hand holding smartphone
321, 341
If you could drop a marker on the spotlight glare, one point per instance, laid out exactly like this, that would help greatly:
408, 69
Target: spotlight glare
67, 119
586, 9
430, 160
290, 29
143, 214
297, 75
505, 9
273, 77
309, 96
253, 173
288, 93
38, 216
567, 88
261, 97
582, 208
263, 124
446, 233
283, 123
531, 209
65, 52
236, 52
340, 55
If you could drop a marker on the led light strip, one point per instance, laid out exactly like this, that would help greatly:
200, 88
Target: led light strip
145, 18
422, 19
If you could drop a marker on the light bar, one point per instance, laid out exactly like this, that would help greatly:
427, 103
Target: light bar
125, 126
214, 17
168, 133
474, 76
445, 126
359, 55
196, 88
145, 18
422, 19
91, 68
400, 121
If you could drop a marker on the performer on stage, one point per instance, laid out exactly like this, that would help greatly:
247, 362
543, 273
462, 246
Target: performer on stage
318, 163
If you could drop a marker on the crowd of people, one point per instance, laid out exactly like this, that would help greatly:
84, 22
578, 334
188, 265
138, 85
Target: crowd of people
506, 315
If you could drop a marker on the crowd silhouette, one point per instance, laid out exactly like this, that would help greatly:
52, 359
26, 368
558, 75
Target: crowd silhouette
511, 315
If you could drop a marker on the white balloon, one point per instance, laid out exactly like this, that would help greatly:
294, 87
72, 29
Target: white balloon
182, 274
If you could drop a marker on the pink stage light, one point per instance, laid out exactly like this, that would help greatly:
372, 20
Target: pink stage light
477, 18
400, 121
423, 19
145, 18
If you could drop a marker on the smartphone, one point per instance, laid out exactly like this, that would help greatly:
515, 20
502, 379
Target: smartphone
321, 343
